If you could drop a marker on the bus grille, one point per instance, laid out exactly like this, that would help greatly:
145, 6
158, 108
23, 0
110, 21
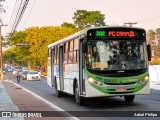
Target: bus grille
120, 83
120, 92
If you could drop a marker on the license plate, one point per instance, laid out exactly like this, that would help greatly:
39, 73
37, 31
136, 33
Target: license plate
35, 77
121, 90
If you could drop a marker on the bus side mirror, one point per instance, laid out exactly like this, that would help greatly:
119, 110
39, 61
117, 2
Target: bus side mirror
149, 52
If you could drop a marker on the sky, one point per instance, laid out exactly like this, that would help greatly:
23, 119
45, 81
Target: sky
54, 12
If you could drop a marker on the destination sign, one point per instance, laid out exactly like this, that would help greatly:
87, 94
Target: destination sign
100, 33
115, 33
121, 33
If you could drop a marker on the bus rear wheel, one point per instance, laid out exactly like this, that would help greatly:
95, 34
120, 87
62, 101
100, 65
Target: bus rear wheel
79, 100
129, 98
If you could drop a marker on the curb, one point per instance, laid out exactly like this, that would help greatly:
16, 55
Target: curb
47, 102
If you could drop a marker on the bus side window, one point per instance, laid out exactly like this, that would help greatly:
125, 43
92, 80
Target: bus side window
71, 46
49, 56
76, 41
71, 52
55, 56
66, 52
75, 56
66, 47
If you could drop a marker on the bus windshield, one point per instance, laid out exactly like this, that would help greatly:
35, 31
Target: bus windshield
116, 55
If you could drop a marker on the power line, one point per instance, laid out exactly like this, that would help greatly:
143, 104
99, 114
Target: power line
16, 16
12, 12
19, 15
28, 15
130, 23
148, 19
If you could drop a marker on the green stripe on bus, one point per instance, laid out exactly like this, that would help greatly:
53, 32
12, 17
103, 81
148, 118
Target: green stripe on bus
117, 80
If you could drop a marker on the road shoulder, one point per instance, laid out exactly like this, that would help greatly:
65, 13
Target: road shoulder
28, 102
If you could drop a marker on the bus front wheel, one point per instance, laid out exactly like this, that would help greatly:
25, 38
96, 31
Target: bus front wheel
79, 100
129, 98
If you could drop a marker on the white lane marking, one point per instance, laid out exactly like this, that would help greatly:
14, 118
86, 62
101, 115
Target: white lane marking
49, 103
153, 101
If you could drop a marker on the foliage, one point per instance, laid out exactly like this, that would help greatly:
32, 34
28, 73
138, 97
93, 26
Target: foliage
84, 18
155, 61
158, 40
21, 53
39, 38
9, 56
153, 38
18, 37
65, 24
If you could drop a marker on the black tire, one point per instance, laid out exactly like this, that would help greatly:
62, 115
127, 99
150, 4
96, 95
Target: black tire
79, 100
129, 98
58, 93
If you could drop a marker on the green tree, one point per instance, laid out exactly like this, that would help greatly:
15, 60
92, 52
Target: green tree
158, 40
65, 24
18, 37
22, 53
84, 18
9, 56
151, 39
39, 38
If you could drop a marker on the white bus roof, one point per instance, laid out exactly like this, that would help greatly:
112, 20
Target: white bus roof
83, 32
68, 38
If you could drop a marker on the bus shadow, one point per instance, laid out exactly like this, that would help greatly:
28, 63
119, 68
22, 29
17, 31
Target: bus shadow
109, 103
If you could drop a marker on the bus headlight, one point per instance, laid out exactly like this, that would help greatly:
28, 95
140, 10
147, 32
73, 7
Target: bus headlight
91, 80
95, 82
146, 79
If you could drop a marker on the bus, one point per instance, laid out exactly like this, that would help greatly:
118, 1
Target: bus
100, 62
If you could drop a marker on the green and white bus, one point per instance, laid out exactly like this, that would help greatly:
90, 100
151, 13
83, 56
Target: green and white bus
99, 62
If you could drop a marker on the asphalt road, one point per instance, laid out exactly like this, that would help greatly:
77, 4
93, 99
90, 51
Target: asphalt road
149, 102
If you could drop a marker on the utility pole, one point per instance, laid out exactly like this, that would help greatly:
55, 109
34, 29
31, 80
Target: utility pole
130, 23
2, 10
1, 60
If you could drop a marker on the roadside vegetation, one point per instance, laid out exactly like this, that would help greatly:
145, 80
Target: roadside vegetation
29, 47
